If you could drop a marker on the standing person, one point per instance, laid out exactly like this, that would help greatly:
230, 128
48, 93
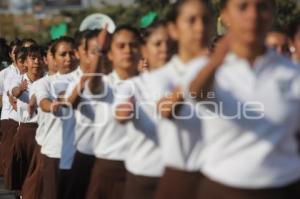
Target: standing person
143, 162
24, 140
4, 62
180, 139
85, 117
14, 73
294, 38
252, 137
48, 100
33, 185
109, 140
176, 143
5, 123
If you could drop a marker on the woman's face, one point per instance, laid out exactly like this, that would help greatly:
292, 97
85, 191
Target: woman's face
124, 52
34, 64
248, 20
64, 58
192, 27
91, 54
156, 50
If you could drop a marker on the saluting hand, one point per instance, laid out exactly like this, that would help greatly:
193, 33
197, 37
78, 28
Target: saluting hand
23, 85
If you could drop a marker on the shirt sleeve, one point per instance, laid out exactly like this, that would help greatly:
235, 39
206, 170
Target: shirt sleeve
2, 81
15, 82
42, 91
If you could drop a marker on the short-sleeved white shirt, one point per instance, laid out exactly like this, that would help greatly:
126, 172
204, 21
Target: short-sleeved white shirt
84, 127
41, 132
23, 100
144, 156
250, 131
180, 138
110, 139
50, 88
9, 74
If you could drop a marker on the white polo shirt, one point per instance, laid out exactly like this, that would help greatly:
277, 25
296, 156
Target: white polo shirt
69, 124
5, 106
110, 140
50, 88
42, 117
180, 138
6, 76
23, 100
250, 131
84, 127
144, 156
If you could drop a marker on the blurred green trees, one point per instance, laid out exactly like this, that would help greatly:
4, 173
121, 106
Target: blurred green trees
30, 26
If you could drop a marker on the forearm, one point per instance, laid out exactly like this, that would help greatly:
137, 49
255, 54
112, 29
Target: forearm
74, 98
203, 83
167, 105
46, 105
17, 92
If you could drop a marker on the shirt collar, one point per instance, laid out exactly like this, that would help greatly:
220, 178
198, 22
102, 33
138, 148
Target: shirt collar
178, 65
115, 78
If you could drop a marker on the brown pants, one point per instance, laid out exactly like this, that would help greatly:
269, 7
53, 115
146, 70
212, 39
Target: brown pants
108, 180
138, 187
178, 184
9, 129
23, 152
33, 184
81, 169
209, 189
50, 178
1, 158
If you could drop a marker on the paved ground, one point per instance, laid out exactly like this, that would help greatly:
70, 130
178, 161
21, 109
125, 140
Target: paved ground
4, 194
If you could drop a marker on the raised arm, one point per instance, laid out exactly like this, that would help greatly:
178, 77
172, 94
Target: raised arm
18, 90
95, 84
203, 83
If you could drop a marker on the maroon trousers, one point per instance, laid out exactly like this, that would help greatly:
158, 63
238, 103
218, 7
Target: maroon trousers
50, 178
23, 153
80, 176
9, 130
108, 180
33, 184
210, 189
140, 186
177, 184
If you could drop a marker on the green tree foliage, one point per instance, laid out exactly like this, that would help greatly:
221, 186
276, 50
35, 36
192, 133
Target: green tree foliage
285, 12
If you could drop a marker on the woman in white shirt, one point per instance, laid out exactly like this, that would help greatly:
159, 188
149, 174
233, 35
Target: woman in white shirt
32, 187
250, 133
10, 111
179, 139
109, 141
48, 97
142, 179
24, 140
84, 114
